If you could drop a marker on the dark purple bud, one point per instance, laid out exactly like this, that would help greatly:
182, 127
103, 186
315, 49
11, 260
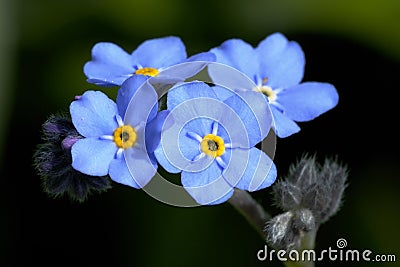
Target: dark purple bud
69, 141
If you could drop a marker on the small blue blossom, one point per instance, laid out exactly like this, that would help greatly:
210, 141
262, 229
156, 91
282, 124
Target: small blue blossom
111, 65
276, 66
212, 142
122, 148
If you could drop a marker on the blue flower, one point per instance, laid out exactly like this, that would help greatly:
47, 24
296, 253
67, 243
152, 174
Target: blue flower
211, 142
111, 65
276, 66
122, 148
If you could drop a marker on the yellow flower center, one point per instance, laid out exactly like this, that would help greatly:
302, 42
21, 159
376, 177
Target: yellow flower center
147, 71
212, 145
266, 90
125, 136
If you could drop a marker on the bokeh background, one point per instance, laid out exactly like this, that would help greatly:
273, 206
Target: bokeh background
44, 44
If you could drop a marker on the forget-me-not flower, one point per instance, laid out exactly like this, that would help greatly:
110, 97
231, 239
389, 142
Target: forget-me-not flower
212, 142
119, 137
111, 65
276, 66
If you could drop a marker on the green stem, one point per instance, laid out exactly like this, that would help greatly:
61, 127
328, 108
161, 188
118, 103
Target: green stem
255, 214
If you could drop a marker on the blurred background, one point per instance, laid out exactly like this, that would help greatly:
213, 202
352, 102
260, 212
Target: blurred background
44, 44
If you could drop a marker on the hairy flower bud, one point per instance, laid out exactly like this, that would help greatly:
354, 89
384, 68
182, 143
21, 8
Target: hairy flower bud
285, 230
52, 161
310, 194
310, 185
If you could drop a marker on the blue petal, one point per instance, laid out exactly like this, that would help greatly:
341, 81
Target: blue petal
197, 115
255, 114
260, 171
107, 75
283, 126
92, 156
237, 54
126, 92
160, 52
168, 143
203, 56
222, 93
236, 161
176, 152
110, 53
141, 167
120, 173
142, 107
153, 159
179, 72
188, 91
153, 131
110, 65
194, 100
207, 187
308, 100
93, 115
229, 78
281, 61
199, 125
189, 147
164, 161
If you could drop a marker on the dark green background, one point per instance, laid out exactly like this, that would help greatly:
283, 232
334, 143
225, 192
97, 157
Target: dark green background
354, 45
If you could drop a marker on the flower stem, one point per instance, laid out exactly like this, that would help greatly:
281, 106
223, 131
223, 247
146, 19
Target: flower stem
250, 209
307, 243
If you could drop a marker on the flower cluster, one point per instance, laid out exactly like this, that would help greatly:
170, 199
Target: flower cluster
165, 116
